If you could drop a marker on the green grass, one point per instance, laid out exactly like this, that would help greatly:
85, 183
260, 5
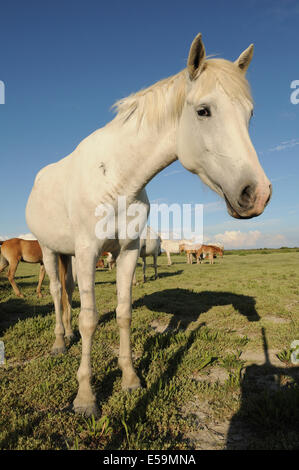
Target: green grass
191, 330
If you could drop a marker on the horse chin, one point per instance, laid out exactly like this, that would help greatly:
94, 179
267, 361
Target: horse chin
233, 213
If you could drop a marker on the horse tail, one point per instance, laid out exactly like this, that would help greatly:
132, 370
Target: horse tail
62, 267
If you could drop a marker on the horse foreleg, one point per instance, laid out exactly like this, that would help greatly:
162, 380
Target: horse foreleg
168, 258
144, 268
86, 260
155, 266
125, 264
11, 274
41, 277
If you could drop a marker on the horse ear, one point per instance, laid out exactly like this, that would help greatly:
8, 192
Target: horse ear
196, 56
245, 58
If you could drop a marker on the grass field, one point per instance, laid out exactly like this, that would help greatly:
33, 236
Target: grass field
211, 345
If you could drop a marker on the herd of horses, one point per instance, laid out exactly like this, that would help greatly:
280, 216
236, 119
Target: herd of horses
17, 250
200, 116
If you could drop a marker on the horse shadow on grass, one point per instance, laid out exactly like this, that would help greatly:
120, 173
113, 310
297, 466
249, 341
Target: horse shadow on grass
269, 412
139, 412
186, 306
15, 309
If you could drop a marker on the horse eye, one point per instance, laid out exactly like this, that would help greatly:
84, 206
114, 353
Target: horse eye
204, 112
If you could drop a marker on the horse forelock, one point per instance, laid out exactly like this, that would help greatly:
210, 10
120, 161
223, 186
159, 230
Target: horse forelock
164, 100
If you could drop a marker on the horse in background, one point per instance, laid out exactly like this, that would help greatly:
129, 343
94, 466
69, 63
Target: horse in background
108, 257
218, 251
171, 246
15, 250
208, 252
190, 250
149, 246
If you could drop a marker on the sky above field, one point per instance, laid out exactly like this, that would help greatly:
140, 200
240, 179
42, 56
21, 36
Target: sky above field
64, 63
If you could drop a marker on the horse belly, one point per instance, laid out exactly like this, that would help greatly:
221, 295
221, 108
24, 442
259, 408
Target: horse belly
31, 252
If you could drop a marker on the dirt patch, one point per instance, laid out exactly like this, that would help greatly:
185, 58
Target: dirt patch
159, 327
216, 374
213, 434
274, 319
258, 357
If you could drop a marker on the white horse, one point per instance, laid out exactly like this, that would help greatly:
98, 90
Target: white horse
172, 246
199, 116
150, 246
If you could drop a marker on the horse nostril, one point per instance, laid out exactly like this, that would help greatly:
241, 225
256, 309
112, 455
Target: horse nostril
246, 196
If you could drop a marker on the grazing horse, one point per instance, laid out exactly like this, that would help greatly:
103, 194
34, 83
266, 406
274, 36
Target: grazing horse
100, 263
15, 250
190, 250
171, 246
218, 251
109, 260
208, 251
149, 246
199, 116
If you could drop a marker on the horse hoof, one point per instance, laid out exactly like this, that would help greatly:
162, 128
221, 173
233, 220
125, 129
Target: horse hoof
70, 337
58, 350
87, 410
133, 385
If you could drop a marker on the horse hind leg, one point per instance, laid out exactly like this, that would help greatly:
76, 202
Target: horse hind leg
41, 277
67, 278
50, 260
3, 263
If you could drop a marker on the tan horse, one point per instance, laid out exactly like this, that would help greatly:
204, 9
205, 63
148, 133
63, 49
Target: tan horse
218, 251
209, 252
106, 256
15, 250
190, 250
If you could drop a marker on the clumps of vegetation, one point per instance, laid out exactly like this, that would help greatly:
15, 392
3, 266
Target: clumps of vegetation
190, 363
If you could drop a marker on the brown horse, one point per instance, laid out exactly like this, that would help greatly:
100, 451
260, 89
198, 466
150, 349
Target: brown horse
15, 250
189, 250
208, 251
106, 256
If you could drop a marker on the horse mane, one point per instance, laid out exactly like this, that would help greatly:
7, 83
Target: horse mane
165, 99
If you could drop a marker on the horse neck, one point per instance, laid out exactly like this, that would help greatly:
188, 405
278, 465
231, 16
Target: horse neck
144, 153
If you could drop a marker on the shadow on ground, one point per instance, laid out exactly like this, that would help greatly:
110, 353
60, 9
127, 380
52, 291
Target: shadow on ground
15, 309
186, 306
269, 413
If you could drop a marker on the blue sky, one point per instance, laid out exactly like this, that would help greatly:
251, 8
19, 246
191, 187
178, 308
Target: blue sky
64, 63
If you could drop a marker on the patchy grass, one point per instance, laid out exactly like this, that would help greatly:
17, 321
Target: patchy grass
191, 330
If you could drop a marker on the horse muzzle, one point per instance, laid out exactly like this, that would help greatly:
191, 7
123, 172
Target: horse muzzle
250, 202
